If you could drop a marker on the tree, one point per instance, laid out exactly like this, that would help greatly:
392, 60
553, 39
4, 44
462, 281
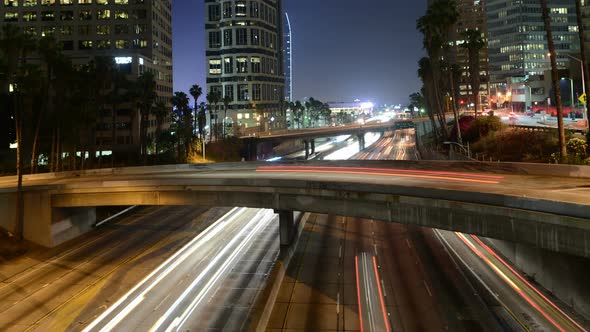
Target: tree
474, 43
145, 94
425, 72
227, 100
554, 80
160, 111
213, 99
299, 113
196, 92
184, 120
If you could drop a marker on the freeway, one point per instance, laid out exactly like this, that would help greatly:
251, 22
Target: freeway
353, 274
56, 289
202, 285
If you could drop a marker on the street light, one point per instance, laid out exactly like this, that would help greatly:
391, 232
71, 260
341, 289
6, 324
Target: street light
582, 68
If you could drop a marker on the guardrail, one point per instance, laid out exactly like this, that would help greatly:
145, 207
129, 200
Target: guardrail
545, 128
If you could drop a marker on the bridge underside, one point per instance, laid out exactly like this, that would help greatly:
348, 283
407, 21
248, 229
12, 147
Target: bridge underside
543, 230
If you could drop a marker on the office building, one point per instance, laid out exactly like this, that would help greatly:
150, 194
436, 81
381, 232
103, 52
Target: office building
245, 63
288, 58
518, 46
137, 34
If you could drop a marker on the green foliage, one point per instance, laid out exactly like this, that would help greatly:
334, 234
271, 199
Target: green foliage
516, 145
577, 149
481, 127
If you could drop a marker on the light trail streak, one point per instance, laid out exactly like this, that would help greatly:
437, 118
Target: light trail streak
512, 284
178, 258
368, 171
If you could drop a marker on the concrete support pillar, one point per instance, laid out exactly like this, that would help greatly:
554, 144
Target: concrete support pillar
312, 146
361, 139
287, 226
306, 149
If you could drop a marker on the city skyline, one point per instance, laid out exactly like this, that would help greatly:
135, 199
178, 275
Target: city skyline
390, 79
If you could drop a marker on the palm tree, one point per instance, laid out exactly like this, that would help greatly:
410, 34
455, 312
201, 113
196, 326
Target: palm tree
16, 47
213, 99
436, 26
160, 111
196, 92
145, 92
299, 111
181, 102
226, 101
427, 76
474, 43
554, 79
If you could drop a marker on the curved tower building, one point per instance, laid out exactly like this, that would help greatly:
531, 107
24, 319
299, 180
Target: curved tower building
245, 64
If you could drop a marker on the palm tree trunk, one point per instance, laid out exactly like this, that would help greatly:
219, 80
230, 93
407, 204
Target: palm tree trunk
586, 74
454, 106
52, 155
20, 211
555, 80
35, 142
113, 134
58, 150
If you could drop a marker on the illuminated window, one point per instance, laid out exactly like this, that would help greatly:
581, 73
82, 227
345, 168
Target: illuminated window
85, 44
47, 2
47, 16
103, 44
29, 16
242, 65
121, 44
10, 17
32, 31
102, 2
215, 66
29, 3
140, 43
240, 116
85, 2
47, 31
241, 8
103, 30
85, 15
121, 2
121, 15
11, 3
103, 14
66, 2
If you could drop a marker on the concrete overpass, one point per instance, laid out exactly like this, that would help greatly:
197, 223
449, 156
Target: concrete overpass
547, 206
261, 142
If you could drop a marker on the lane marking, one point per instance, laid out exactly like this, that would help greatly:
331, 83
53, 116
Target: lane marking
387, 328
358, 291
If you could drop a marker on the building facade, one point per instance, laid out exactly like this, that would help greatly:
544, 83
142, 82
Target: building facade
288, 58
518, 46
245, 63
136, 34
472, 16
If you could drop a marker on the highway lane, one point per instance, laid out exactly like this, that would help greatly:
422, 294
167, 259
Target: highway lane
47, 288
511, 296
198, 279
320, 292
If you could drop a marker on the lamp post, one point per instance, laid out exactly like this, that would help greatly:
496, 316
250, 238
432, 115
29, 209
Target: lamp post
582, 68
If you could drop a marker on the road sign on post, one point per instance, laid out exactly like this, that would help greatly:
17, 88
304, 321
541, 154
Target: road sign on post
583, 99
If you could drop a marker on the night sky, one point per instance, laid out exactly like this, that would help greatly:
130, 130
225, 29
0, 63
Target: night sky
343, 49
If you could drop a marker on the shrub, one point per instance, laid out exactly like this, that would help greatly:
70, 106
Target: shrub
517, 145
482, 126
